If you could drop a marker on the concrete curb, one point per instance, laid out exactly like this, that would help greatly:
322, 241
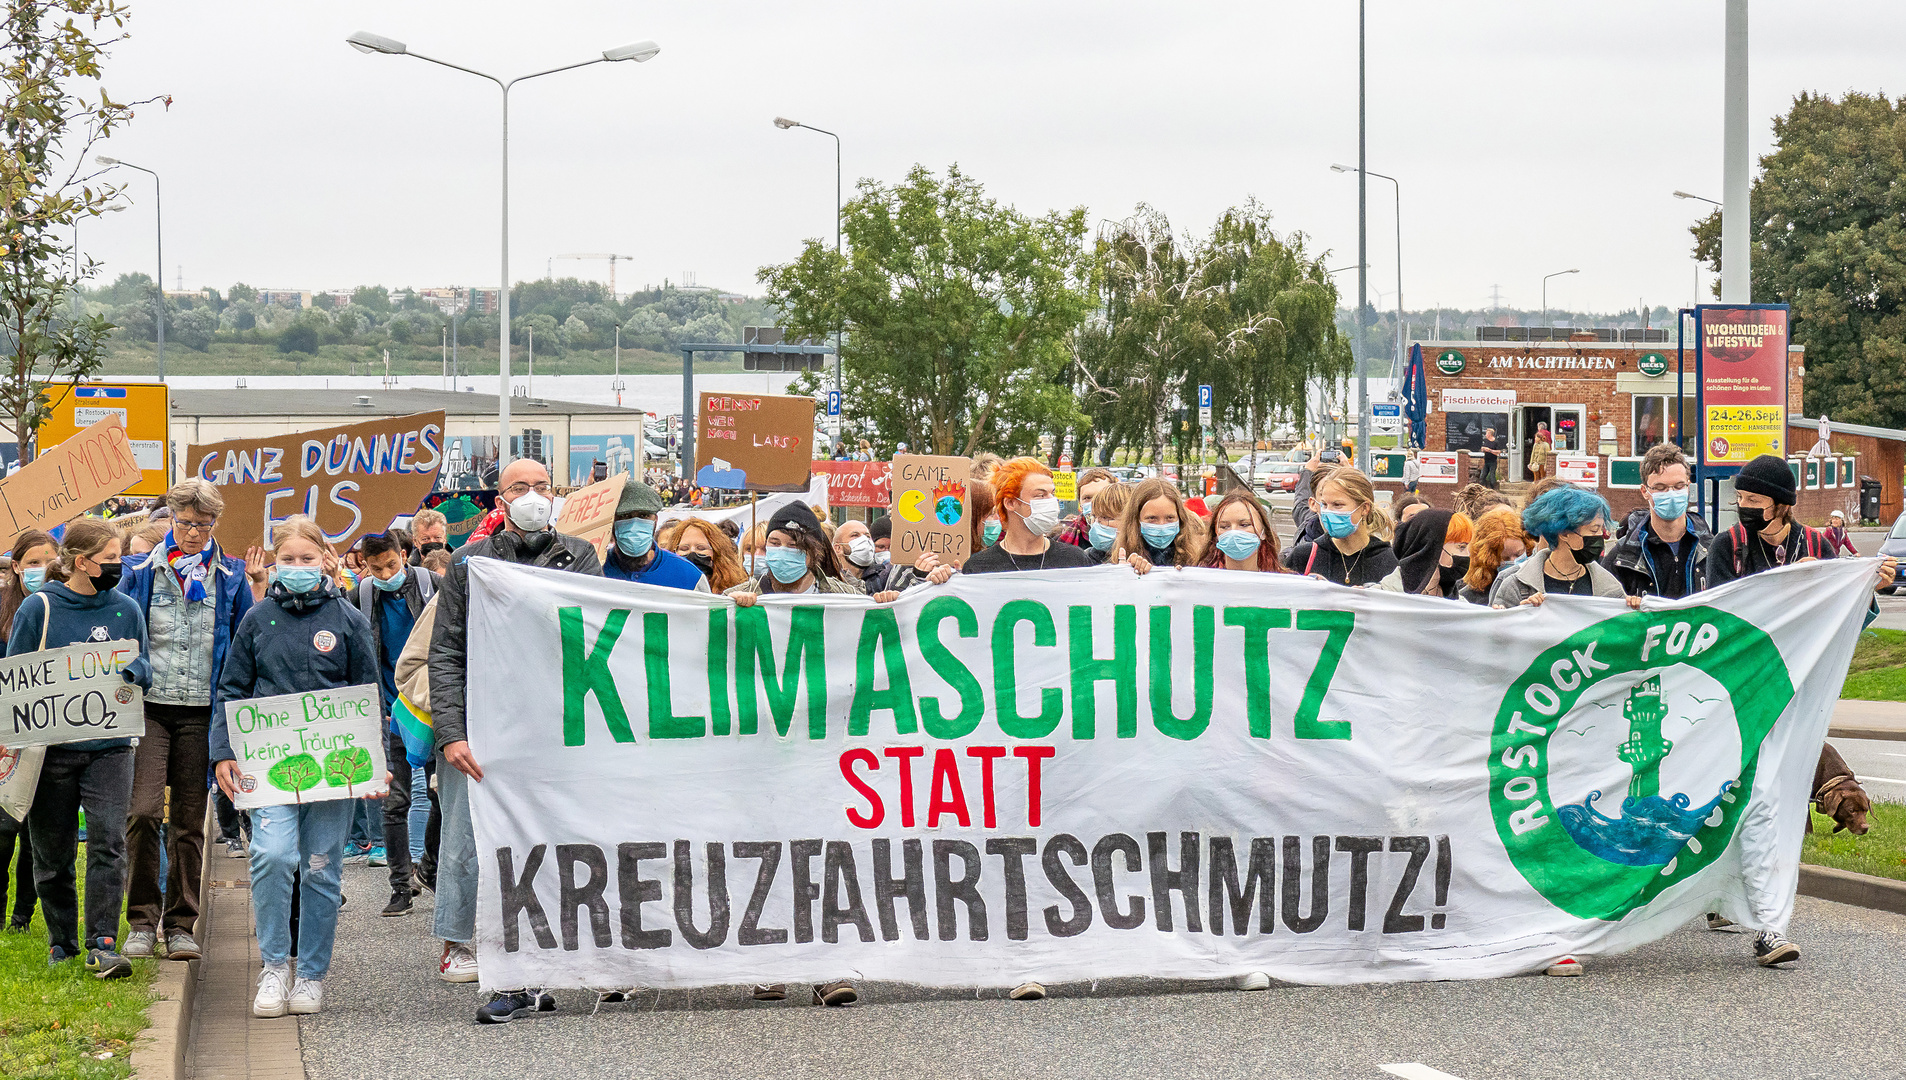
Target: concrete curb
159, 1051
1849, 731
1847, 887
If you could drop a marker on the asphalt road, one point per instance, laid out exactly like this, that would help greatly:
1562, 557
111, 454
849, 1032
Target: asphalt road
1879, 764
1692, 1005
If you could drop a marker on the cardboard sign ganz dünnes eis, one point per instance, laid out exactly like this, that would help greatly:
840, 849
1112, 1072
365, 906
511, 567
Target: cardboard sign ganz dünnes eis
352, 479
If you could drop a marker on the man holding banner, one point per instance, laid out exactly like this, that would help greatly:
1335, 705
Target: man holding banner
193, 596
527, 539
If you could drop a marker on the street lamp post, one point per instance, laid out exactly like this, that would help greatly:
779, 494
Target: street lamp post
158, 215
1363, 248
1545, 297
1399, 261
1697, 263
640, 51
785, 124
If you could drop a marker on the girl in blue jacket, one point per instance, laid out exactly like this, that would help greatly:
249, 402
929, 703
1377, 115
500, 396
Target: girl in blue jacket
302, 636
79, 604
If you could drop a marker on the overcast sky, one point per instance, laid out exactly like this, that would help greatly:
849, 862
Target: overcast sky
1529, 137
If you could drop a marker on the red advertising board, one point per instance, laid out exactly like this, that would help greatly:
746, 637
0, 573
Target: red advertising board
1743, 366
858, 483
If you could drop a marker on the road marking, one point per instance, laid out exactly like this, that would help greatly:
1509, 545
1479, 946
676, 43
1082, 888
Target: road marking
1880, 779
1410, 1070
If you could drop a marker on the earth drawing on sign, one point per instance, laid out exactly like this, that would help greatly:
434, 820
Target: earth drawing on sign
948, 500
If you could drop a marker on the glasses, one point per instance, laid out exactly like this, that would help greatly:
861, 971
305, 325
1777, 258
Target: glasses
518, 489
182, 525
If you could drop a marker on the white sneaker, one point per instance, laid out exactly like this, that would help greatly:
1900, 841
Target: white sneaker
1256, 980
139, 943
272, 984
307, 997
459, 964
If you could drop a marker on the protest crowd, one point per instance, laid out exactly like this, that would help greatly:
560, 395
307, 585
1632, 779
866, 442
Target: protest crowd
295, 615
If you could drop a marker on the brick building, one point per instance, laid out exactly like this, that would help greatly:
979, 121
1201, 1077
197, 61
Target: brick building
1611, 401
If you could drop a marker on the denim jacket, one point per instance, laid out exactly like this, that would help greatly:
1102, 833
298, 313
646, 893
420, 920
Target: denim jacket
233, 599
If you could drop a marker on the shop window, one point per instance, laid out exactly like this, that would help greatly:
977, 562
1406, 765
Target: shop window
1463, 430
1651, 422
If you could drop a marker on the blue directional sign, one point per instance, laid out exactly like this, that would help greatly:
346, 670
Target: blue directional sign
1386, 408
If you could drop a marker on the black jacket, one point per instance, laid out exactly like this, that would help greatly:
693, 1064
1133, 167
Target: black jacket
1632, 564
288, 644
418, 587
1726, 561
448, 641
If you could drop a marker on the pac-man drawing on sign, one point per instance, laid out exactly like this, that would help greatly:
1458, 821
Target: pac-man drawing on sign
908, 505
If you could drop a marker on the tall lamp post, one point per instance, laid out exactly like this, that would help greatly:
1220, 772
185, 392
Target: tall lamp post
785, 124
366, 42
1399, 260
1697, 263
158, 217
1545, 296
1363, 249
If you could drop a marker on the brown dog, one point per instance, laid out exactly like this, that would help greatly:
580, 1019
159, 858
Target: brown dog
1838, 794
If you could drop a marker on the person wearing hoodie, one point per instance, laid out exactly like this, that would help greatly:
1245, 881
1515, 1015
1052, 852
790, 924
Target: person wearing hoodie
1663, 547
303, 636
1432, 554
1158, 529
80, 603
526, 538
1352, 550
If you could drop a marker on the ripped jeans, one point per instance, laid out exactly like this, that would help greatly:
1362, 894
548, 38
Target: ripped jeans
289, 838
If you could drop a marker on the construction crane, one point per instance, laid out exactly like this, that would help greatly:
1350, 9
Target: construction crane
612, 261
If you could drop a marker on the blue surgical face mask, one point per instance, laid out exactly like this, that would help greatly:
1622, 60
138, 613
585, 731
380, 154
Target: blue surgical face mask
990, 533
1158, 537
1338, 523
1085, 509
32, 578
1239, 544
1669, 505
787, 564
1103, 536
301, 579
635, 536
392, 584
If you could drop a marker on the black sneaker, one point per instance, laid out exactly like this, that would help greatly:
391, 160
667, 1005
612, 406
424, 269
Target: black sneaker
1771, 949
507, 1005
399, 905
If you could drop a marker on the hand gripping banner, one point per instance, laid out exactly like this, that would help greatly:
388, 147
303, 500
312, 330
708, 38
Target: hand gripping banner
1088, 774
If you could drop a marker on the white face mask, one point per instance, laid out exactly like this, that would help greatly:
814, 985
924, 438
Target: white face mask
860, 550
882, 558
530, 512
1044, 517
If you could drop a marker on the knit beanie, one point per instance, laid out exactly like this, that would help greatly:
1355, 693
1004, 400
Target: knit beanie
1770, 476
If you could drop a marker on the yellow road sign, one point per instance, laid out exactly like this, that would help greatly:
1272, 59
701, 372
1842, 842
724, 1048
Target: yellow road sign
145, 408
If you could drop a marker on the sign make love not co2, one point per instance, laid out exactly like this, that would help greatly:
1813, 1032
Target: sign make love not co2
352, 479
70, 694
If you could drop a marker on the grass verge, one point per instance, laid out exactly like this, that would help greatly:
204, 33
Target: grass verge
1878, 671
57, 1021
1880, 853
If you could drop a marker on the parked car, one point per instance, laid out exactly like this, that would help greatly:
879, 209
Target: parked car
1280, 476
1895, 545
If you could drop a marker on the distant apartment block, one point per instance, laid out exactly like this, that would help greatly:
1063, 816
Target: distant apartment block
465, 301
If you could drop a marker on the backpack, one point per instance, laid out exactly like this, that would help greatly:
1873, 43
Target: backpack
1737, 538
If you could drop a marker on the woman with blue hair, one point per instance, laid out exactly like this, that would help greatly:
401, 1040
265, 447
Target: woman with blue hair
1573, 523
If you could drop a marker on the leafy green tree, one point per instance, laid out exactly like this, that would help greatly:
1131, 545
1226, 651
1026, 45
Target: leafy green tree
302, 336
958, 312
53, 111
374, 299
194, 329
241, 291
1828, 234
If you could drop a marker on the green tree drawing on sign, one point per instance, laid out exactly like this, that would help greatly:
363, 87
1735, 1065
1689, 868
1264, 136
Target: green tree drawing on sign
296, 773
351, 765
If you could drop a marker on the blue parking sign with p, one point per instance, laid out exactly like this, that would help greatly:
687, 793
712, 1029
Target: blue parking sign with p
1204, 397
833, 403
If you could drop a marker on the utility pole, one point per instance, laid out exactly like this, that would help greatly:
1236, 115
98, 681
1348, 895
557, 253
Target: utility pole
1363, 248
1736, 283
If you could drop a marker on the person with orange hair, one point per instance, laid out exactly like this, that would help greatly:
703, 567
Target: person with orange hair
1029, 509
1499, 540
1432, 554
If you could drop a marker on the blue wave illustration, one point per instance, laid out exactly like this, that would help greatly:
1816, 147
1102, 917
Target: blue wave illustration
1650, 831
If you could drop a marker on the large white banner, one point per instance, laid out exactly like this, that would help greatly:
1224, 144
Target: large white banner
1087, 774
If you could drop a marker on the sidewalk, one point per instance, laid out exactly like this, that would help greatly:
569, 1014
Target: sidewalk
227, 1042
1869, 720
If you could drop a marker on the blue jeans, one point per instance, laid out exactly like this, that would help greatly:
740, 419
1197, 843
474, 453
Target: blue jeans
419, 812
456, 857
367, 822
285, 839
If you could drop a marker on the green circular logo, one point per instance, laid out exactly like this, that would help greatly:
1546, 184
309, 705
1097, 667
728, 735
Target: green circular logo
1592, 723
1450, 362
1652, 364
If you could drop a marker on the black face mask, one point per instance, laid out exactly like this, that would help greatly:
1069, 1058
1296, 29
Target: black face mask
1460, 567
703, 563
1754, 517
426, 549
1590, 550
1448, 576
107, 578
